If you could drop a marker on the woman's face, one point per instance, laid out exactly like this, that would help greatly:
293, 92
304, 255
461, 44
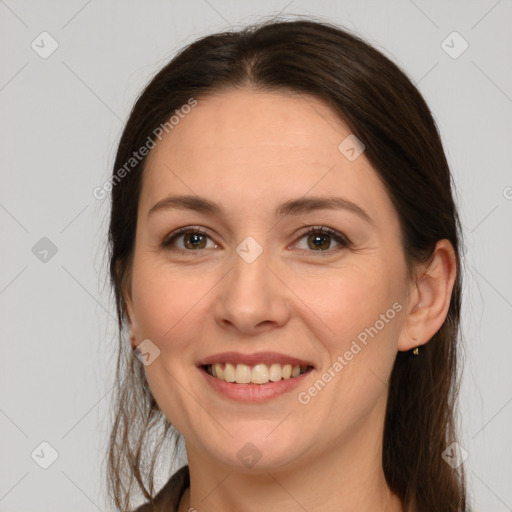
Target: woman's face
254, 282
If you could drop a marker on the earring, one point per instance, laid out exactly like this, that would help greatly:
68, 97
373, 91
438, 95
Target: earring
415, 352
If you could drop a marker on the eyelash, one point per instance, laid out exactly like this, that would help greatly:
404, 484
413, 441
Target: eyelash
341, 239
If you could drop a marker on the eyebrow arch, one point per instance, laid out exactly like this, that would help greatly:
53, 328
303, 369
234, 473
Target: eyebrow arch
293, 207
309, 204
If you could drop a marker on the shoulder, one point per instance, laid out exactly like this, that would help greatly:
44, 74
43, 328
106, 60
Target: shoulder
169, 496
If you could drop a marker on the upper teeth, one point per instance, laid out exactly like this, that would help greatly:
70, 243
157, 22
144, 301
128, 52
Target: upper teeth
258, 374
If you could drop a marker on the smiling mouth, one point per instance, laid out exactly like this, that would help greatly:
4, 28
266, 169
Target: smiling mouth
257, 374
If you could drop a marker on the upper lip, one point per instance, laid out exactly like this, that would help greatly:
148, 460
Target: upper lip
252, 359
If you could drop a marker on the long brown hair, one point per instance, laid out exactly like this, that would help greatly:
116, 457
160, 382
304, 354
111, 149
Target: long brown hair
384, 109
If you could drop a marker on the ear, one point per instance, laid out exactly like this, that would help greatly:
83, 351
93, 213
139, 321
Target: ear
430, 298
128, 306
132, 322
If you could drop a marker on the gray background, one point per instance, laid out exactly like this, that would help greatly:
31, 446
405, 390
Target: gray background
61, 119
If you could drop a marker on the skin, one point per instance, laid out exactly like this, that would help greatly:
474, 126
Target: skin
249, 151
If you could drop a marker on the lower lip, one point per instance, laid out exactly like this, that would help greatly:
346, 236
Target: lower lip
253, 393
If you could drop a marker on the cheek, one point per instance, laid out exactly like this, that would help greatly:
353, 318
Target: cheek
347, 302
170, 311
167, 301
356, 315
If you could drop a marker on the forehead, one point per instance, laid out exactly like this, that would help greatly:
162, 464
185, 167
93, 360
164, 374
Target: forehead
251, 144
254, 118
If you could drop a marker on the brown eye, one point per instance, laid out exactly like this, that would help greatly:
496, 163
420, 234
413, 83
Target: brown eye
194, 241
188, 239
322, 239
319, 242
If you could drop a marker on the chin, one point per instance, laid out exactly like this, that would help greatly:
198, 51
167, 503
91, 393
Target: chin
258, 451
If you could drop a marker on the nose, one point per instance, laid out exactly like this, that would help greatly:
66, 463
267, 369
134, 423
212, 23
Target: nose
251, 299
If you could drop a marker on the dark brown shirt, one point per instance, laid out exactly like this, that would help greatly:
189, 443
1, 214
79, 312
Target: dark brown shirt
168, 498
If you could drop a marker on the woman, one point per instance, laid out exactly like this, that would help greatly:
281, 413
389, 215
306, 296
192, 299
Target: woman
285, 258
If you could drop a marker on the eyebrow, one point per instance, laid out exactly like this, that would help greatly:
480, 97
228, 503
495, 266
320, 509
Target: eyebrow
293, 207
